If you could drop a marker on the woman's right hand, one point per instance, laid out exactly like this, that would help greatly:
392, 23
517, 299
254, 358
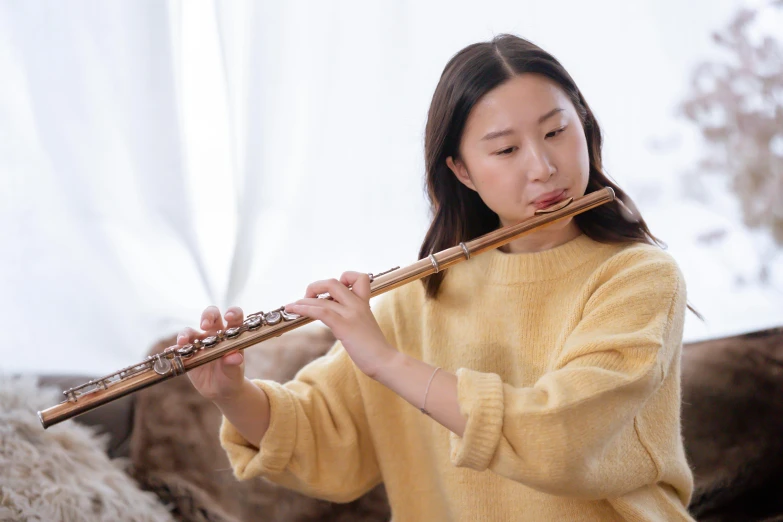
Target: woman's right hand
223, 378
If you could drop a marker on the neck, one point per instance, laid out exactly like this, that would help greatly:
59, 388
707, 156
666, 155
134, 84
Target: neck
548, 237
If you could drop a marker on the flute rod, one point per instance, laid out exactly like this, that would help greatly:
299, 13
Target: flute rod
262, 326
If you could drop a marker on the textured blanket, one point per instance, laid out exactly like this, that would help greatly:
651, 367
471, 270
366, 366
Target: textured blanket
63, 473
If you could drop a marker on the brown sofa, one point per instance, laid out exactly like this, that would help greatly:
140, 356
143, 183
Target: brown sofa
732, 425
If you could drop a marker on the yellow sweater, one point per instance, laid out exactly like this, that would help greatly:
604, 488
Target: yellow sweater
568, 366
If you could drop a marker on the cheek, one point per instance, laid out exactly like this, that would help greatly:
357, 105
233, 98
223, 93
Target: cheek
498, 184
490, 171
577, 158
584, 156
502, 182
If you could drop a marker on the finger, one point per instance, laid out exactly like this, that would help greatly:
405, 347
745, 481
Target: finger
321, 310
233, 366
188, 335
359, 283
314, 302
318, 287
234, 316
234, 359
211, 320
335, 288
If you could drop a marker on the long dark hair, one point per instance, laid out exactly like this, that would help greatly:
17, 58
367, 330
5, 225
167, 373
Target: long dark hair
458, 213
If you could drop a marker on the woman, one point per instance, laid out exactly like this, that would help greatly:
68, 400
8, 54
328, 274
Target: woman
547, 371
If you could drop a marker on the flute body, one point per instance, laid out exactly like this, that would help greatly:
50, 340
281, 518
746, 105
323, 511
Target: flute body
260, 326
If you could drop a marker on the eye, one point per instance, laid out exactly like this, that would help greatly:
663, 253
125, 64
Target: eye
557, 132
506, 152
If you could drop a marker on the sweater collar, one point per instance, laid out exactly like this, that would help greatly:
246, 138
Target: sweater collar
500, 267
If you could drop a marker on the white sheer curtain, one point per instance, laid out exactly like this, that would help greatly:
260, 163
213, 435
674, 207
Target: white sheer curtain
159, 157
97, 223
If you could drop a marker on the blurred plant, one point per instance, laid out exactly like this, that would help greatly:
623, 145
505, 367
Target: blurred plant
737, 103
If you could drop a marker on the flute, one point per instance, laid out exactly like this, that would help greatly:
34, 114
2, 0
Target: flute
260, 326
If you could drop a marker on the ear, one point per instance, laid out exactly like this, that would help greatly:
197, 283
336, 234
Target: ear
459, 170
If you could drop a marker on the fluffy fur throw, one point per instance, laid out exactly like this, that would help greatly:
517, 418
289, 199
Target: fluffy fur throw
63, 473
175, 449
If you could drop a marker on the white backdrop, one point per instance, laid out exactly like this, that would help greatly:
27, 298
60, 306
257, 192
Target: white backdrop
159, 157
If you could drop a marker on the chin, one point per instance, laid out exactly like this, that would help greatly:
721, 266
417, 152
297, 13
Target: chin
560, 225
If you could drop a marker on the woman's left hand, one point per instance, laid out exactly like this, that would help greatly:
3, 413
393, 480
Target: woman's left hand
349, 317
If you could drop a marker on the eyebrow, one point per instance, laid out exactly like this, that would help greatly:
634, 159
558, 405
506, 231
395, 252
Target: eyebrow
505, 132
549, 114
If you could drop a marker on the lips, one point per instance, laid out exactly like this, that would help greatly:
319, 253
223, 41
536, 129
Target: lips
549, 199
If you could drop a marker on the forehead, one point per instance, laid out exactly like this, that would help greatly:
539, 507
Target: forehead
520, 101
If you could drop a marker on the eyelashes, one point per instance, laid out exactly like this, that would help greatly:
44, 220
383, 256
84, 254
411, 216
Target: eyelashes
555, 133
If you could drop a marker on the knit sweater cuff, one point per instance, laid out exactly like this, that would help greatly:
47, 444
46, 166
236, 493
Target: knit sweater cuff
480, 397
278, 442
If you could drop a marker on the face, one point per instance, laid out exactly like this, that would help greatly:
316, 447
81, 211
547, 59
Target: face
524, 148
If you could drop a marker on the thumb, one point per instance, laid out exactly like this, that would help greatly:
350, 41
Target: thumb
233, 365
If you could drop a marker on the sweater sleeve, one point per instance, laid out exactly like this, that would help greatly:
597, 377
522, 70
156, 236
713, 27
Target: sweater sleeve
318, 440
575, 431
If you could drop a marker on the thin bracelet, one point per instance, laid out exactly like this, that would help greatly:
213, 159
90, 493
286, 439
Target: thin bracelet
424, 402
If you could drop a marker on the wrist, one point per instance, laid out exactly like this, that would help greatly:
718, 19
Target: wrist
391, 365
245, 389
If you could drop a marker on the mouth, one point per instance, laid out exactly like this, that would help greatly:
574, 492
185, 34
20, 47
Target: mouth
549, 199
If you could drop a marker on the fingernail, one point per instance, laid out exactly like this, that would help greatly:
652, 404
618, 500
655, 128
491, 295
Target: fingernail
230, 315
205, 324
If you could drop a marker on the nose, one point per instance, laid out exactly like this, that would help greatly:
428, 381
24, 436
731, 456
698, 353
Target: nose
537, 164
